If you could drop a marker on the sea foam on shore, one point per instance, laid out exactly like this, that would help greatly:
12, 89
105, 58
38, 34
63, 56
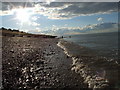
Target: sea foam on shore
96, 71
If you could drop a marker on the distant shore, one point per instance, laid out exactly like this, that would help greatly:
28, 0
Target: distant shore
16, 33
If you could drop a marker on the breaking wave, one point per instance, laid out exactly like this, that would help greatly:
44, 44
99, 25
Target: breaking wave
98, 72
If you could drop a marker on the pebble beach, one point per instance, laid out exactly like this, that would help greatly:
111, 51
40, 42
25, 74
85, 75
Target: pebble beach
34, 63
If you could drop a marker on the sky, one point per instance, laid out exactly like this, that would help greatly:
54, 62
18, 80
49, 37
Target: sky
60, 18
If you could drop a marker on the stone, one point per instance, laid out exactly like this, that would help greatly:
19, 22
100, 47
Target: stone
12, 51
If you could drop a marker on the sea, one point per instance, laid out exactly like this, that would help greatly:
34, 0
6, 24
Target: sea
95, 58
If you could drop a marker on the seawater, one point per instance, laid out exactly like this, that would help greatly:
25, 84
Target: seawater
106, 44
95, 58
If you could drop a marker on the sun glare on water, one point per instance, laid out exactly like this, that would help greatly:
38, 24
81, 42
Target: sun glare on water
22, 15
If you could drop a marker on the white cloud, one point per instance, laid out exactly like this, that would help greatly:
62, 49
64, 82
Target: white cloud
100, 19
3, 13
53, 26
38, 29
34, 24
94, 28
66, 25
49, 1
35, 18
52, 12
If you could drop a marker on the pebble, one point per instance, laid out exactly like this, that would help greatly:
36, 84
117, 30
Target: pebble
67, 56
12, 51
28, 45
39, 62
57, 80
48, 74
38, 69
48, 67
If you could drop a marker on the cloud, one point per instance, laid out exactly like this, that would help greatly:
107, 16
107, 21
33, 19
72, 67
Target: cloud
65, 10
35, 18
73, 33
100, 19
34, 24
65, 24
49, 1
9, 7
61, 0
69, 10
38, 29
94, 28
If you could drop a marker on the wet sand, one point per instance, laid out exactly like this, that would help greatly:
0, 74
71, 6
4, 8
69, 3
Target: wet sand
35, 63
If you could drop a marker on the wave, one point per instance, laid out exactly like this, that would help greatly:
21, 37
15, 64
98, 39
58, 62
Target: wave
98, 72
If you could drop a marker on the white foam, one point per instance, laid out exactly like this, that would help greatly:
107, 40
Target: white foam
90, 77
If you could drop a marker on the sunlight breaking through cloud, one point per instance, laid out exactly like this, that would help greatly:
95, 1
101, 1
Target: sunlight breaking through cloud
66, 10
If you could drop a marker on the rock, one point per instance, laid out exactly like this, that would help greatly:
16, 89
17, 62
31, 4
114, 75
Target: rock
49, 67
82, 67
38, 69
12, 51
39, 62
13, 56
48, 74
28, 45
67, 56
57, 80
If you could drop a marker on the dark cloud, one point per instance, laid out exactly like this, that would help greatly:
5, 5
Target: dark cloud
61, 0
73, 9
90, 8
65, 10
53, 4
11, 5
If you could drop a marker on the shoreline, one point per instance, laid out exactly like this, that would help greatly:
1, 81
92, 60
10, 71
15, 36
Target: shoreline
91, 67
35, 63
